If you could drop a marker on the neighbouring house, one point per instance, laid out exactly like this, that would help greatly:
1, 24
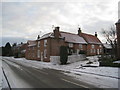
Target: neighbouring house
19, 50
118, 38
47, 46
94, 45
107, 49
31, 50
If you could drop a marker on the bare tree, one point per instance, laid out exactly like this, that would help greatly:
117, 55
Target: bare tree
111, 38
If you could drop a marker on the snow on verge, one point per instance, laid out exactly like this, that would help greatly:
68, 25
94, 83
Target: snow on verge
103, 77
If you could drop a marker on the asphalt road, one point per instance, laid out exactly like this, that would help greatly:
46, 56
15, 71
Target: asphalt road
44, 78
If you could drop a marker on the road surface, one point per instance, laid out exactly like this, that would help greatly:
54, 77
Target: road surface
21, 76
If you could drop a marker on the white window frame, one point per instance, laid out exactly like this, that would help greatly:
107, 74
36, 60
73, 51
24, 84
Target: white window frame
92, 46
70, 44
100, 46
94, 50
80, 46
78, 51
100, 50
45, 53
45, 42
38, 43
38, 53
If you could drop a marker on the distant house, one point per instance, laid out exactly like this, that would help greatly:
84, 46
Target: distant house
49, 45
107, 49
31, 50
19, 50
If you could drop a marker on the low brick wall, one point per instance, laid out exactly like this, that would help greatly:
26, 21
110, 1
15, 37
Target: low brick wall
71, 59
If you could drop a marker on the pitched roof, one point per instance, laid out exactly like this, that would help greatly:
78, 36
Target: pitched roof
118, 21
108, 46
91, 38
73, 38
32, 43
47, 35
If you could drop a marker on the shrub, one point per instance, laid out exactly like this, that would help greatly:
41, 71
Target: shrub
82, 52
107, 61
63, 55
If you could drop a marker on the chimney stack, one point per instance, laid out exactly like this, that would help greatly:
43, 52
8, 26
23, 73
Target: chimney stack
79, 31
96, 34
38, 37
56, 32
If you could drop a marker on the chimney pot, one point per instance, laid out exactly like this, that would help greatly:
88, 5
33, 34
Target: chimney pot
38, 37
57, 28
56, 32
96, 34
79, 31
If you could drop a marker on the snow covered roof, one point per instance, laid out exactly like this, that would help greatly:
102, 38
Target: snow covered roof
69, 37
23, 51
108, 46
118, 21
116, 61
32, 43
91, 38
47, 35
73, 38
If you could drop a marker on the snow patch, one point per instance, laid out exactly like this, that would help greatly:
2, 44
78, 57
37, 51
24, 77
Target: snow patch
117, 62
104, 77
71, 58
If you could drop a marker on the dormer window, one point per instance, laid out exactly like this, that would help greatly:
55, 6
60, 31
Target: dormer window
80, 46
45, 43
93, 46
38, 43
100, 46
70, 44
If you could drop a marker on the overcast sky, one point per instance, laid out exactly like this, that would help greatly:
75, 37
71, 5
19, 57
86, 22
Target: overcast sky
23, 20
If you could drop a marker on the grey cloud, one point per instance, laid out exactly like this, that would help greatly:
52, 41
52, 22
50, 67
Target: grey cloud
12, 40
27, 19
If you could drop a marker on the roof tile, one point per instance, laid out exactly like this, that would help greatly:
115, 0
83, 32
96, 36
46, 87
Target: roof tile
91, 39
73, 38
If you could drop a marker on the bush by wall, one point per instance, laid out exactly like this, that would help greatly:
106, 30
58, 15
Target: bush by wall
82, 52
63, 54
108, 61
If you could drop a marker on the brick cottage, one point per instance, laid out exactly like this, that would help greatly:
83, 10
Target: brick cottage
49, 45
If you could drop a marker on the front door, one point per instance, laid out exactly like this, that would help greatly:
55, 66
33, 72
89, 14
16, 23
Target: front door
98, 51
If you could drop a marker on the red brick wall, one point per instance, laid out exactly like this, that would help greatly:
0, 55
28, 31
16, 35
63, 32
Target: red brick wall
42, 48
55, 46
31, 53
76, 46
53, 49
95, 50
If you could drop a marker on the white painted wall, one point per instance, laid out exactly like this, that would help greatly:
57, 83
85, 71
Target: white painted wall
71, 59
